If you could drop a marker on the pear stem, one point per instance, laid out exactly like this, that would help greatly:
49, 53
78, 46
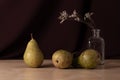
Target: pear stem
31, 36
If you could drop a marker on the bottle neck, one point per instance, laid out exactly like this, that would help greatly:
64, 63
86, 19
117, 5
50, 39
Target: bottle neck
96, 32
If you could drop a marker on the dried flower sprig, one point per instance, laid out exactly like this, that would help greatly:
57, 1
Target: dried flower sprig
75, 16
88, 19
63, 16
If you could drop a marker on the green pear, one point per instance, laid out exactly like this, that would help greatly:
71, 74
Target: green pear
33, 56
62, 59
89, 58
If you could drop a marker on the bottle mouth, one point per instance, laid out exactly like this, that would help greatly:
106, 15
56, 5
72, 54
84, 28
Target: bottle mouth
96, 32
95, 29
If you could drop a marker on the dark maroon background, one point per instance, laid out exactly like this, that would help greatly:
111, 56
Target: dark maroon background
19, 18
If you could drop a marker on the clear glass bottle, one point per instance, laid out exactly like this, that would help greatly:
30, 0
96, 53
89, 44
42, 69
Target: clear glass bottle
97, 42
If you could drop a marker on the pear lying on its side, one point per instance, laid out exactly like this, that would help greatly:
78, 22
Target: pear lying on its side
62, 59
33, 56
89, 59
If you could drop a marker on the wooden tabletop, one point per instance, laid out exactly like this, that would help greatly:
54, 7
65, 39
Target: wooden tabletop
18, 70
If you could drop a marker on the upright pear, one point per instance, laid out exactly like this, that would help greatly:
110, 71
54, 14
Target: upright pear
33, 56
